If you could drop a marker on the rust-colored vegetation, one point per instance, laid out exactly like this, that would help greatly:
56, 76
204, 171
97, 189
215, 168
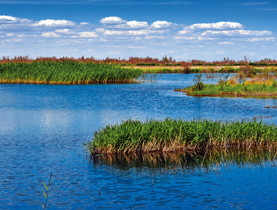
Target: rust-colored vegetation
147, 61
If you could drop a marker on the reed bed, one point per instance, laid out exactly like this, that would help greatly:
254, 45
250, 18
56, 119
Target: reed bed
163, 70
172, 135
65, 72
196, 69
261, 85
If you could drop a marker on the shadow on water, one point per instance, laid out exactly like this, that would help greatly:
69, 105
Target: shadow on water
213, 159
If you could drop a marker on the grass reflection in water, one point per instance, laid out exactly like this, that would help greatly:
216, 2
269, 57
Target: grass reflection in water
210, 160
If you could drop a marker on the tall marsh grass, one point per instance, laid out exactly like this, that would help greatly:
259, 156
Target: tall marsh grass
172, 135
244, 89
246, 83
65, 72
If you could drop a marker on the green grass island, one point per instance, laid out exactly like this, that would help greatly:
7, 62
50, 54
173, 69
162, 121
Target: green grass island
246, 83
171, 135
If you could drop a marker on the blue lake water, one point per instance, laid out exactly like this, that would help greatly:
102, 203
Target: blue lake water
43, 128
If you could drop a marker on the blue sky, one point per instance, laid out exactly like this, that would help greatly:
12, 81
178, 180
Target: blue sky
207, 30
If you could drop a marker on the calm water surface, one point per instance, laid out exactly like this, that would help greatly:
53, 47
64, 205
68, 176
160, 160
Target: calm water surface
43, 127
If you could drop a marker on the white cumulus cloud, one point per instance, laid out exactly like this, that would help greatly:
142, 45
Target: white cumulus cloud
50, 22
184, 38
5, 18
88, 34
161, 24
137, 24
219, 25
237, 32
128, 32
261, 39
112, 20
226, 43
17, 33
155, 37
215, 26
50, 34
63, 31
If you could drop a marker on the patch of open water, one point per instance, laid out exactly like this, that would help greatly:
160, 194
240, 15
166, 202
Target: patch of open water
42, 128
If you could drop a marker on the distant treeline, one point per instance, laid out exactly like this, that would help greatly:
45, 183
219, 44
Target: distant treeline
147, 61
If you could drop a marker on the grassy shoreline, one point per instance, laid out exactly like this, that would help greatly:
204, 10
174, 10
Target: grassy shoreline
65, 72
262, 85
197, 69
239, 90
171, 135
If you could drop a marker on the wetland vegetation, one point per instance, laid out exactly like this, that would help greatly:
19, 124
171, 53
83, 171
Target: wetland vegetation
65, 72
172, 135
148, 61
246, 83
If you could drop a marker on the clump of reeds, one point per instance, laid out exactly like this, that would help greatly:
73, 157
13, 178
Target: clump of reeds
245, 83
65, 72
248, 71
172, 135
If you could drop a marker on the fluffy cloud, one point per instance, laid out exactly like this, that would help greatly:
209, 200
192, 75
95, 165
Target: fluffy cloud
155, 37
140, 35
261, 39
136, 24
200, 38
88, 34
51, 23
237, 33
63, 31
184, 38
128, 32
5, 19
219, 25
215, 26
161, 24
112, 20
129, 25
50, 34
226, 43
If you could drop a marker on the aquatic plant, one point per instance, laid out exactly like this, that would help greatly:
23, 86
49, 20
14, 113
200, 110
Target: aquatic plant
229, 89
47, 192
170, 135
163, 70
65, 72
263, 84
198, 82
248, 70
